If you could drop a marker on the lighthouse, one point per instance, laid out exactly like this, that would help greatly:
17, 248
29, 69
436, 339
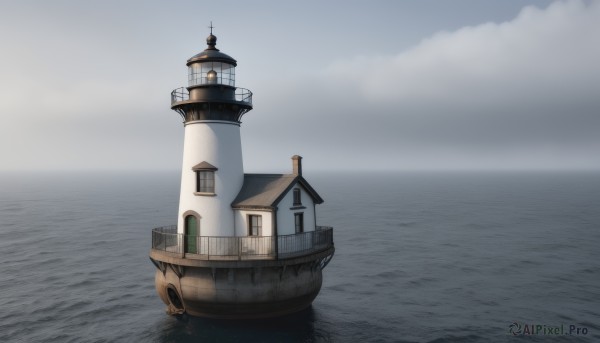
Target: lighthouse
212, 108
245, 245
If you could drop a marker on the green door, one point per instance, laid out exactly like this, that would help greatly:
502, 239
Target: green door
191, 232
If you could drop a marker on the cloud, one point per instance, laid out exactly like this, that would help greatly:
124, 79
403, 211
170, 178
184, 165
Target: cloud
94, 93
554, 50
77, 91
518, 94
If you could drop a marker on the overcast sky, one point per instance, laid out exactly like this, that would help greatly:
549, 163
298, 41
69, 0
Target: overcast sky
463, 84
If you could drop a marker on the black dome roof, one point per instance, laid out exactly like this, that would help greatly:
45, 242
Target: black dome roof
212, 54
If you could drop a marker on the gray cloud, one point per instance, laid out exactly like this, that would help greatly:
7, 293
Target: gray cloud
519, 94
87, 86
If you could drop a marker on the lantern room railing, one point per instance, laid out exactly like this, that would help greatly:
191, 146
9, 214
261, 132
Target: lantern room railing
182, 94
242, 248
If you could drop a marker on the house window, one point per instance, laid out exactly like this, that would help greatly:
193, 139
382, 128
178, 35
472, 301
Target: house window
297, 198
205, 181
299, 222
254, 225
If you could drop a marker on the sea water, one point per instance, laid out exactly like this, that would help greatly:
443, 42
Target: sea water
420, 257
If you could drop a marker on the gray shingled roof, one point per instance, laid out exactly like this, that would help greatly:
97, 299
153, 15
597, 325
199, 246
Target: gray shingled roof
266, 190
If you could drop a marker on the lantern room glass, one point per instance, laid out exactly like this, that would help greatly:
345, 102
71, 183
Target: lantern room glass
203, 74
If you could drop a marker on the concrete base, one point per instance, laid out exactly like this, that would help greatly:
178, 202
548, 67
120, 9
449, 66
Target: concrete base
234, 290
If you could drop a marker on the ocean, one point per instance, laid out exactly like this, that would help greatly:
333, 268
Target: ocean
420, 257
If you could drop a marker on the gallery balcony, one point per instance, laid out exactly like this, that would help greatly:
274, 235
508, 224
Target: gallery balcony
166, 240
241, 96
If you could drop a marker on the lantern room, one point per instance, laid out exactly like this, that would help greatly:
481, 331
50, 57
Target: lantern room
211, 93
211, 67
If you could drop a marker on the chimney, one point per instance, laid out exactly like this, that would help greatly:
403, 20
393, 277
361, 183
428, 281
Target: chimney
297, 164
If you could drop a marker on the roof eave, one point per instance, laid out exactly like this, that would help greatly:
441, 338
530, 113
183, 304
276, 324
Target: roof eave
316, 197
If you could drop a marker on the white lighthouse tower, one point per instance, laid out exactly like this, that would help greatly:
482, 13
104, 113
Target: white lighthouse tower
245, 245
212, 173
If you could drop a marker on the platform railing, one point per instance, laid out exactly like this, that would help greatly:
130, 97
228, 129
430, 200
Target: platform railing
182, 94
166, 238
304, 243
241, 248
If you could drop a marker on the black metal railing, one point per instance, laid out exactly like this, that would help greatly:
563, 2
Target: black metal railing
242, 248
243, 95
179, 94
182, 94
304, 243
